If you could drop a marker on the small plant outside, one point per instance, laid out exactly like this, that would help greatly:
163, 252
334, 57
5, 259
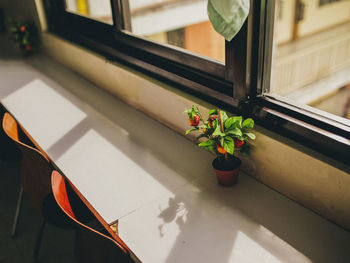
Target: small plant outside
223, 135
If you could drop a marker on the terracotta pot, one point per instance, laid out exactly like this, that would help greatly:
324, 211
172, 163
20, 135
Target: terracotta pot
227, 176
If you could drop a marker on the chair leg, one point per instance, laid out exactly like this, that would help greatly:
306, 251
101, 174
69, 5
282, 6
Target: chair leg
38, 241
18, 211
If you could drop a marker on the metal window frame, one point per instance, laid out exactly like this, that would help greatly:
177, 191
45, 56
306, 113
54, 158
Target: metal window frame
209, 73
239, 87
315, 129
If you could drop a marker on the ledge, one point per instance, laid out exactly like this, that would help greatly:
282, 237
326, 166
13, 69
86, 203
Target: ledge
316, 184
142, 169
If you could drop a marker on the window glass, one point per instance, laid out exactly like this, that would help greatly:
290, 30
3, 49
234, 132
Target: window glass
183, 23
311, 54
96, 9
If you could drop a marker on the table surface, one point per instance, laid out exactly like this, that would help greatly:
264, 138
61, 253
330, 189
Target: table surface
160, 186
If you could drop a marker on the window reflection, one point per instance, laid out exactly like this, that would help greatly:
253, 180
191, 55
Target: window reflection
311, 54
96, 9
183, 23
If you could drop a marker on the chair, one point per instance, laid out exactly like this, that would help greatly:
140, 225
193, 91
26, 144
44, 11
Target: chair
35, 169
91, 246
8, 149
35, 177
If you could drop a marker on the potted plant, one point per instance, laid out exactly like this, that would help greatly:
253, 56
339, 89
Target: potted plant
24, 34
223, 135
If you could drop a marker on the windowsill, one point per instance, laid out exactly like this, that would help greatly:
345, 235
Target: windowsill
249, 221
149, 95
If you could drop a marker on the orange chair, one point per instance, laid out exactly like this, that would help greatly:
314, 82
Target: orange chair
8, 149
91, 246
35, 168
35, 176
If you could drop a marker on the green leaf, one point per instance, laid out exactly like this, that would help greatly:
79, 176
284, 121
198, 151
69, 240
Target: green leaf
233, 122
208, 145
25, 41
222, 140
250, 135
199, 114
217, 131
212, 112
215, 124
191, 130
248, 124
190, 112
229, 145
236, 132
223, 116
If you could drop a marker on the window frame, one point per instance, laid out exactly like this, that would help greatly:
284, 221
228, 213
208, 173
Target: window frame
240, 86
205, 71
315, 129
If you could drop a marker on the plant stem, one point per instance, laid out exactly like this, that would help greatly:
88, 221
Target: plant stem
221, 123
200, 115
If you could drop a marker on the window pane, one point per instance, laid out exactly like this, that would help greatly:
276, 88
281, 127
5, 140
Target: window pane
311, 57
96, 9
183, 23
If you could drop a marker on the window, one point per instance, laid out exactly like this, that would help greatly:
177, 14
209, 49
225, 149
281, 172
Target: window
325, 2
181, 23
173, 41
95, 9
304, 65
182, 50
311, 56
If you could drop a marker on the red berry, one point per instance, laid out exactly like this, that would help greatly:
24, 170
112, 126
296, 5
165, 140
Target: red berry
211, 119
22, 28
238, 143
220, 149
28, 47
194, 121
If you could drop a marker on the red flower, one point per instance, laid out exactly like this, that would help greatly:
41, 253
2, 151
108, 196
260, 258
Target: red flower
211, 119
22, 28
28, 47
220, 149
238, 143
194, 121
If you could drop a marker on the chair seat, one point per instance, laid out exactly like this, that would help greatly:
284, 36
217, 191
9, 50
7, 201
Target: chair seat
92, 245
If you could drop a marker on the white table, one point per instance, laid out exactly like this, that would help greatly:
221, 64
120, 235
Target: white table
159, 186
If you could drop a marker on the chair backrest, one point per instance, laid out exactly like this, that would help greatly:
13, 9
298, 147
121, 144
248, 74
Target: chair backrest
8, 149
91, 246
36, 168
